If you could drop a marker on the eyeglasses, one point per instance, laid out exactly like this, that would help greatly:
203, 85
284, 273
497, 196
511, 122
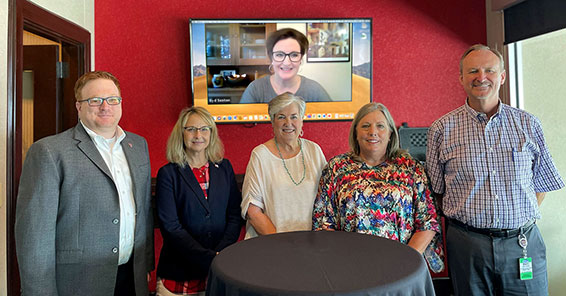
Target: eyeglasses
280, 56
194, 129
94, 102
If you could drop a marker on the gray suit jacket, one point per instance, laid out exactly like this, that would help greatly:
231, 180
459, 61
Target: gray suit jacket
66, 227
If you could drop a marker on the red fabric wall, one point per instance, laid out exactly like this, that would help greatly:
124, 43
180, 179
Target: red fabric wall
416, 48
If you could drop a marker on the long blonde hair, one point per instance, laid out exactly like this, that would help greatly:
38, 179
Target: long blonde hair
176, 149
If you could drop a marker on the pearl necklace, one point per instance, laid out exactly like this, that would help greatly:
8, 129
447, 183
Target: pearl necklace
285, 166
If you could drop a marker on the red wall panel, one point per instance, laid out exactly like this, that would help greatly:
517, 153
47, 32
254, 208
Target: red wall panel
416, 48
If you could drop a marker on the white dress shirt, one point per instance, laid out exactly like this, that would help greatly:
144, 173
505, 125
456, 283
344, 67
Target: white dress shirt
114, 157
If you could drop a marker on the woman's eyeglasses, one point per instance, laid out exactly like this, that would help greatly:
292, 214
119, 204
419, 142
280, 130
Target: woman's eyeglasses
280, 56
194, 129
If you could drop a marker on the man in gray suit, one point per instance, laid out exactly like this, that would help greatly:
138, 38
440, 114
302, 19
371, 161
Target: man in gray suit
83, 219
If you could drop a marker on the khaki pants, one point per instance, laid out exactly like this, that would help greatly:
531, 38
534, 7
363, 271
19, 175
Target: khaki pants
162, 291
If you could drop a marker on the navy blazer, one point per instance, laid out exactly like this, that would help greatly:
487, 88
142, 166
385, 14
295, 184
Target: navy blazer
195, 228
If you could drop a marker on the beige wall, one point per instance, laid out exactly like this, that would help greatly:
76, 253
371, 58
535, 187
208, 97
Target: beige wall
80, 12
3, 124
544, 71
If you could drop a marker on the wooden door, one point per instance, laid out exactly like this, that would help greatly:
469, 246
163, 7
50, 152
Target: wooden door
75, 42
42, 61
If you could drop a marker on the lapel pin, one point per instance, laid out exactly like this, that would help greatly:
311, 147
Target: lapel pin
130, 144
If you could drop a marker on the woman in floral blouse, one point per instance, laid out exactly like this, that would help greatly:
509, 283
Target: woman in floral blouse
378, 189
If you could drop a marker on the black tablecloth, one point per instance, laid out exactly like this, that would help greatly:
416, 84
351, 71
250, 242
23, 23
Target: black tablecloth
319, 263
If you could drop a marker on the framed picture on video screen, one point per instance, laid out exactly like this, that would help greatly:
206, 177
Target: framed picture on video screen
328, 42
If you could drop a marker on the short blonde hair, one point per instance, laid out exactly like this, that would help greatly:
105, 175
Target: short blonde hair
176, 149
283, 100
393, 148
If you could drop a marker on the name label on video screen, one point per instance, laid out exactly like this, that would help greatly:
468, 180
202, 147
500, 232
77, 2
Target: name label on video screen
219, 100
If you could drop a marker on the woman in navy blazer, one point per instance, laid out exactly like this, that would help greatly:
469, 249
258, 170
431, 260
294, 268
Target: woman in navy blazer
198, 204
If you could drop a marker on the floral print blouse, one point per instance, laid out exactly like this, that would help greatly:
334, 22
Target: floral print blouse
390, 200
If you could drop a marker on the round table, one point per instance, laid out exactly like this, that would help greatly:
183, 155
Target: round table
319, 263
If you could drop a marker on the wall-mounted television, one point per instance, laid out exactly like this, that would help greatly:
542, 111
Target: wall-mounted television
228, 54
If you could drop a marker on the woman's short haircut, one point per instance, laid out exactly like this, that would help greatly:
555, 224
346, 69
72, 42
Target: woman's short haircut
283, 100
176, 149
89, 76
393, 148
285, 34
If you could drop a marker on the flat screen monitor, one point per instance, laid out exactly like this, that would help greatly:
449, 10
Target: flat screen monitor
228, 55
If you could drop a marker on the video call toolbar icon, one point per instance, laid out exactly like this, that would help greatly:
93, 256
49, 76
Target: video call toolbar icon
263, 117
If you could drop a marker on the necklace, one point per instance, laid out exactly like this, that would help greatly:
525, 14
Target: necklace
285, 166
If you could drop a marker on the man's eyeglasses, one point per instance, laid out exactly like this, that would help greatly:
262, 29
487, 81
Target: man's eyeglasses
94, 102
294, 56
194, 129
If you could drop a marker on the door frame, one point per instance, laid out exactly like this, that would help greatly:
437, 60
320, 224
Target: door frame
24, 14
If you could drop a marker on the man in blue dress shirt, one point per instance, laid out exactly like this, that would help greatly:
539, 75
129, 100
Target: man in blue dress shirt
491, 165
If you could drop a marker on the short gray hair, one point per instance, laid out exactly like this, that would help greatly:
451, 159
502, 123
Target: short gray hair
482, 47
283, 100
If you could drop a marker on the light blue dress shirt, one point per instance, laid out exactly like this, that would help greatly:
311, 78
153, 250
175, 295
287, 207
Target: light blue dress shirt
489, 170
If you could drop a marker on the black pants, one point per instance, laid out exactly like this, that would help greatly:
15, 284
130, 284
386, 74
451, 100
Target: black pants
125, 285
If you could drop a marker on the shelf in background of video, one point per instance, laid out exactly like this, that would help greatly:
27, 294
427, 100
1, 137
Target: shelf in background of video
265, 117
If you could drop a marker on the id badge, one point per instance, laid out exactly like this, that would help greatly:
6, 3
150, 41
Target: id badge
526, 268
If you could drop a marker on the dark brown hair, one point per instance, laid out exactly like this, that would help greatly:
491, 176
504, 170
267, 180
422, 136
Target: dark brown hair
285, 34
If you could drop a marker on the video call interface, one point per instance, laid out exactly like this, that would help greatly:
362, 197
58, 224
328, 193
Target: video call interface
228, 55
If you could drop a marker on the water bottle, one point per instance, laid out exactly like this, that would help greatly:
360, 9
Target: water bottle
225, 47
209, 45
434, 261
